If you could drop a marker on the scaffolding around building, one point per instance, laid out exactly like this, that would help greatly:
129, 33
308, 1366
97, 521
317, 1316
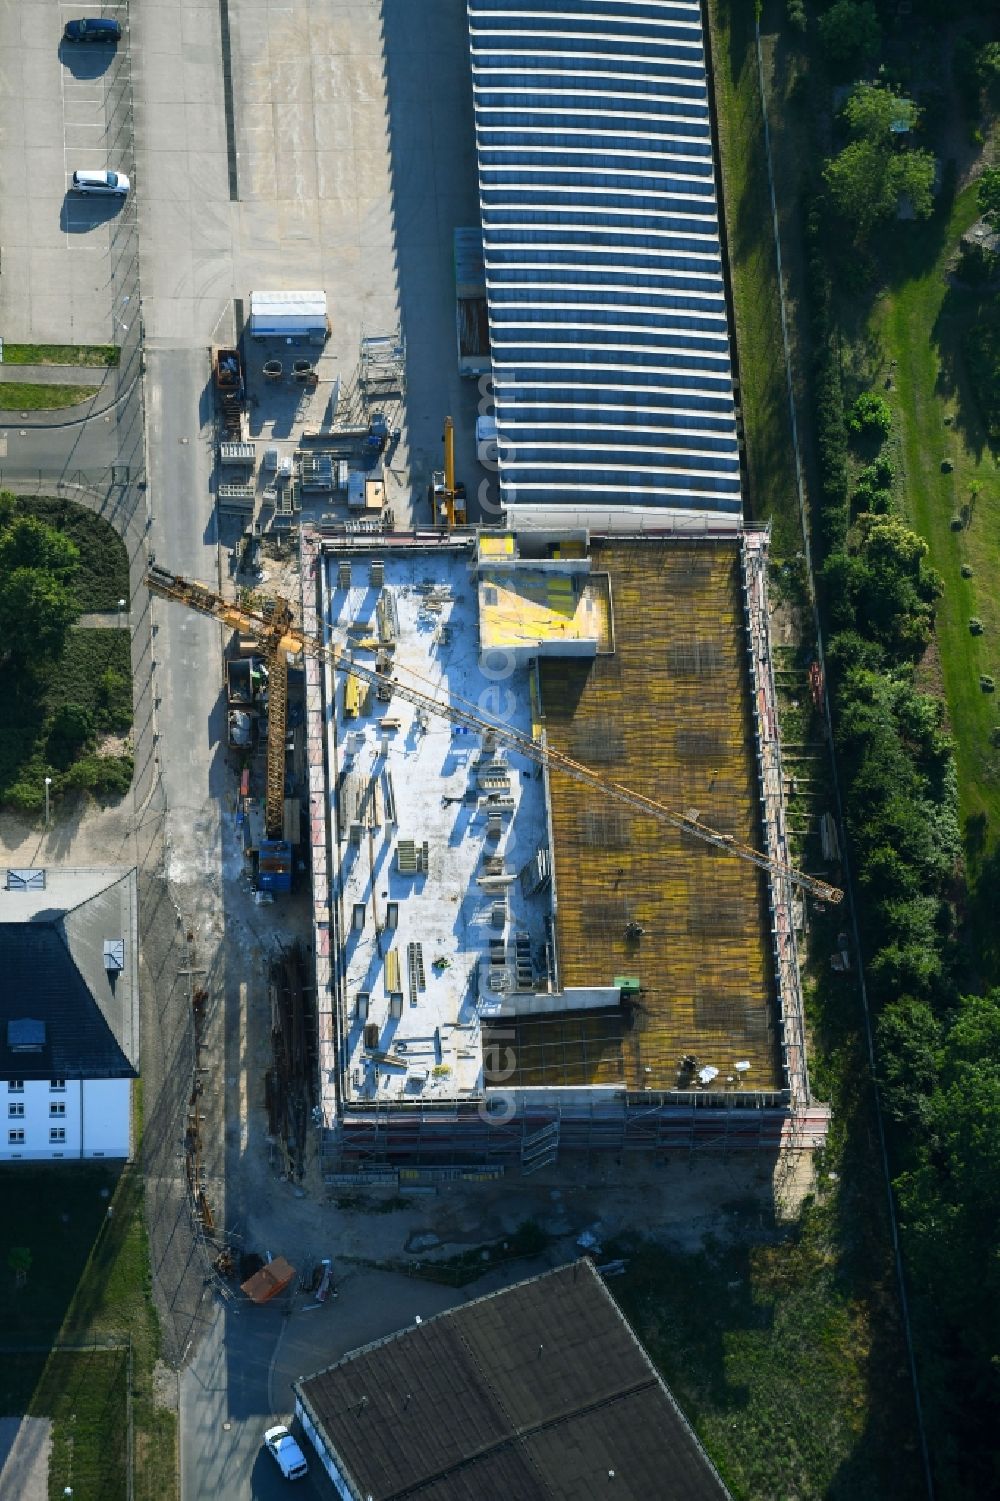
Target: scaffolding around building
529, 1123
382, 365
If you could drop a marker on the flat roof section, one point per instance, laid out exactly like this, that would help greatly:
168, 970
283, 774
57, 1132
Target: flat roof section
603, 256
544, 611
540, 1392
668, 715
425, 866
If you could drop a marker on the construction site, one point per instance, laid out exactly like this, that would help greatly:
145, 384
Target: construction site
515, 955
523, 755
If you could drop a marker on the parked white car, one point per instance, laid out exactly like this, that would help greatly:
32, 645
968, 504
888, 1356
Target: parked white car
287, 1455
107, 184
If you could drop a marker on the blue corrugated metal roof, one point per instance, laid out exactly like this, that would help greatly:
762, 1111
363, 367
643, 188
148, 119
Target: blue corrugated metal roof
603, 259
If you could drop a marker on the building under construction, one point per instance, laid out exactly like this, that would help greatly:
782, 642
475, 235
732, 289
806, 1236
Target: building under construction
513, 953
510, 958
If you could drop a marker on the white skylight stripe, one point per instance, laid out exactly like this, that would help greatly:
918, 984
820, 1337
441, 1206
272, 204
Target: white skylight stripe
509, 315
546, 97
663, 290
613, 19
525, 370
579, 403
611, 115
694, 76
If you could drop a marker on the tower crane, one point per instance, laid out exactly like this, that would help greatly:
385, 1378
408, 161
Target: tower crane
447, 494
272, 625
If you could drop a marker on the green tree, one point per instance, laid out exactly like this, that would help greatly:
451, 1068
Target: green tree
857, 181
869, 178
988, 69
910, 176
36, 611
988, 196
28, 543
872, 110
871, 414
850, 33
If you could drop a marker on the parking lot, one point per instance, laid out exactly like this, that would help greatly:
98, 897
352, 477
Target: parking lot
62, 108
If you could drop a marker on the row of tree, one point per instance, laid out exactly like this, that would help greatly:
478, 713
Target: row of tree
938, 1046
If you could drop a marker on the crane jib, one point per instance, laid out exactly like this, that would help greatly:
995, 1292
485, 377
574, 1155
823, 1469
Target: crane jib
273, 628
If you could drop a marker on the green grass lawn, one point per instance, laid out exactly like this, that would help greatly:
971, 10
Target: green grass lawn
763, 389
102, 577
89, 1281
919, 323
94, 356
29, 396
772, 1360
85, 1394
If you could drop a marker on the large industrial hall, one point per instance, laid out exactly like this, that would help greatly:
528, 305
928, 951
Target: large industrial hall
514, 951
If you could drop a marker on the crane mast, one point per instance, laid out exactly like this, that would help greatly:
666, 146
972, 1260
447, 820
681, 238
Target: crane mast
277, 619
272, 625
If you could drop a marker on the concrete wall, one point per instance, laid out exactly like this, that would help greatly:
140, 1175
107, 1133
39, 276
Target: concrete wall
106, 1117
93, 1117
594, 997
323, 1454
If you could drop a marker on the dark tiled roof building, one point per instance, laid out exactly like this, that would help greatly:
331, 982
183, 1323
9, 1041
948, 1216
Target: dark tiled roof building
537, 1393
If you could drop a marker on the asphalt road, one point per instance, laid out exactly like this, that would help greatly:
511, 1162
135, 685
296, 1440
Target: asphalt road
348, 175
240, 1380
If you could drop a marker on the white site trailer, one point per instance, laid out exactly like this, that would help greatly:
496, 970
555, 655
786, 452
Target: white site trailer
294, 315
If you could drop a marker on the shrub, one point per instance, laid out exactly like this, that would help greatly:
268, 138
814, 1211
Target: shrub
875, 502
966, 570
72, 729
113, 699
111, 775
850, 33
975, 625
870, 415
796, 12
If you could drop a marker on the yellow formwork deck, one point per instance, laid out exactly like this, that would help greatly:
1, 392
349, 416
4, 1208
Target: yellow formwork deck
529, 606
669, 715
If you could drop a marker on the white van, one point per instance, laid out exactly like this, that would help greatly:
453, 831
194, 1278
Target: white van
113, 184
486, 442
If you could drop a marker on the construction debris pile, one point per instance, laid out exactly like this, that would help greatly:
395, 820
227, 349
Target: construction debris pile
289, 1085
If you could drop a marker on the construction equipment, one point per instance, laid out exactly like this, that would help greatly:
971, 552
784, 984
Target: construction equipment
273, 627
372, 437
447, 497
230, 392
472, 315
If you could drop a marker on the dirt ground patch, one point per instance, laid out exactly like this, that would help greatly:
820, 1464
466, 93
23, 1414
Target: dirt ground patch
677, 1201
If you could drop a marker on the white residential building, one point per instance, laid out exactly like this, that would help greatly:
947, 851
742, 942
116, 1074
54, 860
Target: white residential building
69, 1033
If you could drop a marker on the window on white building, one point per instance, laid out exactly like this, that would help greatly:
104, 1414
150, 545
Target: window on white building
57, 1133
16, 1111
57, 1107
57, 1084
15, 1138
15, 1086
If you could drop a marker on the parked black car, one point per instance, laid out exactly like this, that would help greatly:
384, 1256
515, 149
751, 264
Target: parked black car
92, 29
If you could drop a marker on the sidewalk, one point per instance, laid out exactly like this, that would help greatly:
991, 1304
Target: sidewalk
56, 375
